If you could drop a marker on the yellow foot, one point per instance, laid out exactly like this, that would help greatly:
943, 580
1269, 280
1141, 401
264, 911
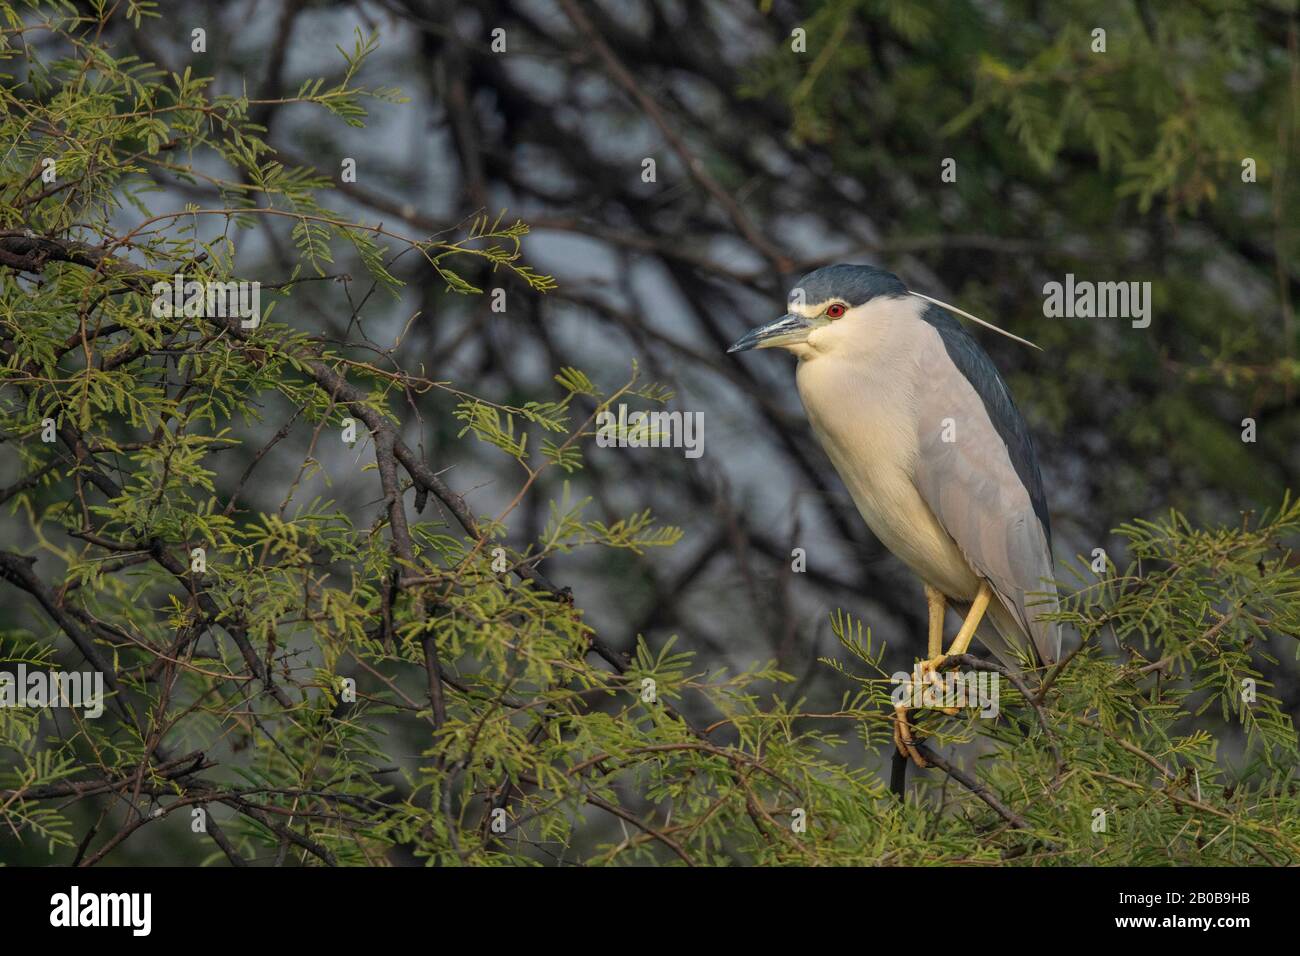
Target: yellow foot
927, 675
903, 739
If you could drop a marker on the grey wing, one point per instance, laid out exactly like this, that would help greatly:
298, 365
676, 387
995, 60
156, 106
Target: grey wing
977, 471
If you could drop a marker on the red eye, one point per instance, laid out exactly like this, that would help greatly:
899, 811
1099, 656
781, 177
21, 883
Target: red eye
835, 311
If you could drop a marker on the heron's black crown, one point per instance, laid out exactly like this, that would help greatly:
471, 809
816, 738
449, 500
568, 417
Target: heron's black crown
852, 283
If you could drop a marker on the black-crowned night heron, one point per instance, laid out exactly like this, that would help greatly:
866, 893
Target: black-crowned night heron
923, 431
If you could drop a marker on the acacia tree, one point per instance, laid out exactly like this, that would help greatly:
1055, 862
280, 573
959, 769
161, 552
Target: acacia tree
320, 649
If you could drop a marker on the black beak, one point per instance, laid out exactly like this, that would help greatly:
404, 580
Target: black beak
787, 330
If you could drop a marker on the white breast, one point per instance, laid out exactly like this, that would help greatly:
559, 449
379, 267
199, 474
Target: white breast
862, 404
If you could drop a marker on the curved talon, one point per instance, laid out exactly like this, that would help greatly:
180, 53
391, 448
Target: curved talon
903, 739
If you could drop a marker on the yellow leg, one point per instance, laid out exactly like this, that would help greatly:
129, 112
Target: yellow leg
938, 606
960, 643
977, 608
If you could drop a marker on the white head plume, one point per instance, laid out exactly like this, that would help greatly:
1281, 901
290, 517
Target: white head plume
987, 325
